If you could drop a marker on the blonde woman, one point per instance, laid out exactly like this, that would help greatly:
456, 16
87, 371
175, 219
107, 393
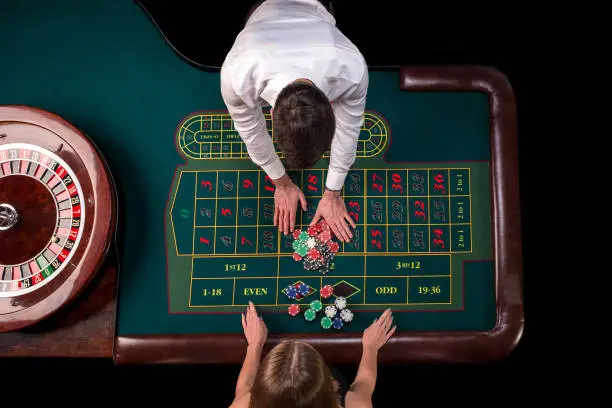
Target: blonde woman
294, 375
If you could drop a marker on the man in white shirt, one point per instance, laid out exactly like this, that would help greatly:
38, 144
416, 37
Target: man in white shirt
292, 57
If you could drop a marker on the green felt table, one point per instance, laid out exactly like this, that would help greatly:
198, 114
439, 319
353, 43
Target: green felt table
434, 193
414, 227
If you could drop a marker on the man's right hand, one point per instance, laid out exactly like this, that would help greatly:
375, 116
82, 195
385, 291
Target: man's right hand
286, 198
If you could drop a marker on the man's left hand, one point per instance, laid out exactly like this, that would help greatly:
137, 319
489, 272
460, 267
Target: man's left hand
333, 210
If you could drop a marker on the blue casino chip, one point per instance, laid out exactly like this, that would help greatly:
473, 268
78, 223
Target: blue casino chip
338, 323
291, 292
303, 289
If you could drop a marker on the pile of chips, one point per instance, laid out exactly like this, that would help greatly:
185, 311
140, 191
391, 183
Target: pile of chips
297, 291
334, 315
315, 247
337, 314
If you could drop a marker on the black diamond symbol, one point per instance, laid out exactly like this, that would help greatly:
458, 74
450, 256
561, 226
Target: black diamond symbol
345, 289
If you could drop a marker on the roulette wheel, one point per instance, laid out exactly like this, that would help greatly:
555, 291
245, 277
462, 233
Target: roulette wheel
57, 214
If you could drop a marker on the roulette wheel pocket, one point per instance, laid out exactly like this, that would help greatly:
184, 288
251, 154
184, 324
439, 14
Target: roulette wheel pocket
57, 214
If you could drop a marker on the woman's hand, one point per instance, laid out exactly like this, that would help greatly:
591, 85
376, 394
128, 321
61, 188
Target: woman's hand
375, 336
255, 329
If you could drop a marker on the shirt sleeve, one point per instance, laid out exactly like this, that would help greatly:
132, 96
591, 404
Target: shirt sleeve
250, 123
349, 118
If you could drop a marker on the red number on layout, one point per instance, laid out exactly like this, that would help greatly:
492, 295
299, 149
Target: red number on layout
268, 180
375, 177
438, 242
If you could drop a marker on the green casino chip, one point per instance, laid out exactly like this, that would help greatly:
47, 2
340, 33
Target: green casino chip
316, 305
310, 315
296, 245
302, 249
326, 322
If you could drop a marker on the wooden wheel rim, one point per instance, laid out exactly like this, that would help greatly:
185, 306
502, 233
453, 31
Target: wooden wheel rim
87, 186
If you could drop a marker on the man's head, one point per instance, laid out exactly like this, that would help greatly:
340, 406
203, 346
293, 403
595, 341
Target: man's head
304, 124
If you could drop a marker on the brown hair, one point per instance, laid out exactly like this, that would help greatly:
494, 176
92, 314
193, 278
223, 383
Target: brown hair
304, 124
293, 375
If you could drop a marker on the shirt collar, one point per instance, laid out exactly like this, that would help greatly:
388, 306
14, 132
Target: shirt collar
281, 80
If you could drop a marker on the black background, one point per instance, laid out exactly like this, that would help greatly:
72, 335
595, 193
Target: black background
388, 33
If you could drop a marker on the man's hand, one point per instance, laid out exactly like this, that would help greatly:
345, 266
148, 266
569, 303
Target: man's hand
286, 198
255, 329
333, 210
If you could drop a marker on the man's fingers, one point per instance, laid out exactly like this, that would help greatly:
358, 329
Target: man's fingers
281, 219
343, 229
339, 231
287, 222
334, 229
391, 332
303, 201
244, 325
316, 218
350, 220
340, 227
276, 212
292, 219
346, 229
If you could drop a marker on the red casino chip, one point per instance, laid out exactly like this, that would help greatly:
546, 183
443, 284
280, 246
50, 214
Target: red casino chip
294, 309
314, 254
333, 245
325, 236
296, 257
327, 291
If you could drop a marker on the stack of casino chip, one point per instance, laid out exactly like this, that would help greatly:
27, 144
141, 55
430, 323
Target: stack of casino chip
338, 313
315, 247
334, 315
311, 313
297, 291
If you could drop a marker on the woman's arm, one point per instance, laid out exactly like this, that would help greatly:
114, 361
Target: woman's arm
374, 337
256, 333
365, 380
249, 369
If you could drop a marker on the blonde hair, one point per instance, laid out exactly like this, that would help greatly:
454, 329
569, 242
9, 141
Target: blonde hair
293, 375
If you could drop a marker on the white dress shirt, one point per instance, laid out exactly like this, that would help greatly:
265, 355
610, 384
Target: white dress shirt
285, 40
